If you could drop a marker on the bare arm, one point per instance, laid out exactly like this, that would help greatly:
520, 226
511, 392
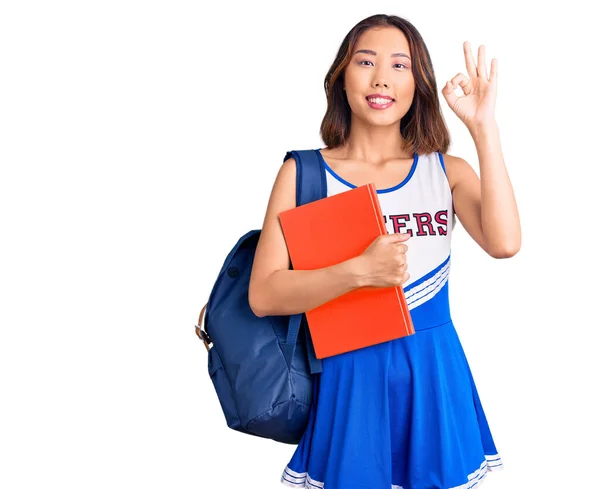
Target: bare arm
486, 207
275, 289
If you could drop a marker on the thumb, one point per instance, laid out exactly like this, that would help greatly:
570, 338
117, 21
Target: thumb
399, 237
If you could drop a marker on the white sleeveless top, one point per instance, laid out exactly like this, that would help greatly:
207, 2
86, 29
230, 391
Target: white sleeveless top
422, 205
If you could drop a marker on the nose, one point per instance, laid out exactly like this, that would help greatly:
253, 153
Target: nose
380, 75
379, 82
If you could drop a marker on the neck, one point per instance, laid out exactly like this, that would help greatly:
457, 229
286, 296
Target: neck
375, 144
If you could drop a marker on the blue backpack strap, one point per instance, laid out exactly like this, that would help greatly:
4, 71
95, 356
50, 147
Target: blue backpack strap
310, 186
310, 176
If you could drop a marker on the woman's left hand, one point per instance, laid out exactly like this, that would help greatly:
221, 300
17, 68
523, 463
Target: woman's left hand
476, 106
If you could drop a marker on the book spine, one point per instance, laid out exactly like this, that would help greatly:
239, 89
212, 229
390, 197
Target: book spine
377, 209
410, 329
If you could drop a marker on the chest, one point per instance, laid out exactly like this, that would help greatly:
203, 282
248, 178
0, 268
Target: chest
383, 177
421, 204
416, 211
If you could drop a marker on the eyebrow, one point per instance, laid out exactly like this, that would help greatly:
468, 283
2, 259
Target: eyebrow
370, 51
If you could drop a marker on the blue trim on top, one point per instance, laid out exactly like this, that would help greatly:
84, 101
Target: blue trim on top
382, 191
441, 158
435, 288
427, 276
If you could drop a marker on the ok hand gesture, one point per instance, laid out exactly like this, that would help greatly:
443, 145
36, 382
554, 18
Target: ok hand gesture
476, 107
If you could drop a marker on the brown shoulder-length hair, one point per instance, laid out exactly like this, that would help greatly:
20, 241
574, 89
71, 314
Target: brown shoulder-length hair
423, 128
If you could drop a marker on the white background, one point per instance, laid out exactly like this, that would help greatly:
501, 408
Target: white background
140, 140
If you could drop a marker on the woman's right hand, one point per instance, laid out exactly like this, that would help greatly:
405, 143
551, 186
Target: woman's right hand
385, 260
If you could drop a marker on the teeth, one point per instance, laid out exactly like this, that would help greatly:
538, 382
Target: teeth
379, 101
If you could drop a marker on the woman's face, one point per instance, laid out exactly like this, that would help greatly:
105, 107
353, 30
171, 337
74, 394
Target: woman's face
383, 67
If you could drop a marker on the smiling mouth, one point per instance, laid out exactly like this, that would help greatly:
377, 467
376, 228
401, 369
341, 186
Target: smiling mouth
380, 103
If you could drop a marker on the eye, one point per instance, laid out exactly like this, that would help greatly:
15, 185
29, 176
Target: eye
367, 61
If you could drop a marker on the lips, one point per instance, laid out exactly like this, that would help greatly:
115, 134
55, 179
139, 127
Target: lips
379, 95
389, 101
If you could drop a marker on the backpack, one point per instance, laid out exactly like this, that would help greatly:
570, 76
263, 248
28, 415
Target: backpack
261, 367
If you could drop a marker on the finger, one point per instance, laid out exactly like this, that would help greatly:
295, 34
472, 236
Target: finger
449, 95
471, 70
405, 277
494, 71
481, 68
402, 248
464, 83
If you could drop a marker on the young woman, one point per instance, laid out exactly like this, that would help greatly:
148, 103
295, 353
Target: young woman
404, 413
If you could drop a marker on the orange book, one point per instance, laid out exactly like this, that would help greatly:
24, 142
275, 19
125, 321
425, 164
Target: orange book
329, 231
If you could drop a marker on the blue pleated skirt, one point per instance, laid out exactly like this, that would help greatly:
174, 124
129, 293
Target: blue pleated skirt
403, 414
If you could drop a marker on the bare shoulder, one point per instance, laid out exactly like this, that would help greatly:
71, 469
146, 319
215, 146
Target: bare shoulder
288, 169
283, 193
333, 153
457, 169
284, 188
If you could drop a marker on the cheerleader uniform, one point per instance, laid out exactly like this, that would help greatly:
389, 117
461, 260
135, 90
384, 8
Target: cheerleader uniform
404, 414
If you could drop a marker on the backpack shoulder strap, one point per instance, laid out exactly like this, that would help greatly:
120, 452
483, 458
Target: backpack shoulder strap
310, 186
310, 176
